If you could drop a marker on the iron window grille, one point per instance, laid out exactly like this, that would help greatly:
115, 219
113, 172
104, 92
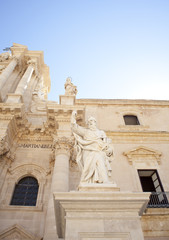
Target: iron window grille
25, 193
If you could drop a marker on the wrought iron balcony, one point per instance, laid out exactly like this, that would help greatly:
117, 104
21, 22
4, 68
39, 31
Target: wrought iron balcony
159, 200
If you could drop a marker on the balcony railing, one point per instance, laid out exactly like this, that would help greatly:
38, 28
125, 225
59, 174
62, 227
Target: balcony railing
159, 200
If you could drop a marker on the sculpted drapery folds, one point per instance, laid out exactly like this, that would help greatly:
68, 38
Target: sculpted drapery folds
93, 151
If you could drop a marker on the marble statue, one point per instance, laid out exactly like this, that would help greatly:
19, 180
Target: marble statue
93, 151
70, 89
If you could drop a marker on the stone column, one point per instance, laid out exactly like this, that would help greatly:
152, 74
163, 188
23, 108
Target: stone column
60, 183
7, 72
23, 84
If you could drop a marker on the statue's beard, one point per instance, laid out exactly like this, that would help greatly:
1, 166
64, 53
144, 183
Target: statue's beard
92, 127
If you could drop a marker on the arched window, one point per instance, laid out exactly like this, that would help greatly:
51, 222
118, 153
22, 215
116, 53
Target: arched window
131, 120
25, 193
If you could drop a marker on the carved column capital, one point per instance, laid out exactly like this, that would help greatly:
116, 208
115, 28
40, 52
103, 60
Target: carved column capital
63, 145
32, 62
16, 58
5, 56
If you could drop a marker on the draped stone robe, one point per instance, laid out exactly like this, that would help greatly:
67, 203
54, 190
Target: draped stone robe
93, 152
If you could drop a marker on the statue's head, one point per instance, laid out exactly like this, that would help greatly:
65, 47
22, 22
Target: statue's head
68, 80
91, 122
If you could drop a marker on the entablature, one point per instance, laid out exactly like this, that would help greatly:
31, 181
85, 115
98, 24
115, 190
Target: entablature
138, 136
123, 102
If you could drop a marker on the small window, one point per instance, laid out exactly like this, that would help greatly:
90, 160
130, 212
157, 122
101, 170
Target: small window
150, 181
25, 193
131, 120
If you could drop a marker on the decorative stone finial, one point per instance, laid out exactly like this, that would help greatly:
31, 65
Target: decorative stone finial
70, 89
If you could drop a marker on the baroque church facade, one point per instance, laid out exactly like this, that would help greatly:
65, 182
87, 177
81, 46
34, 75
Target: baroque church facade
61, 177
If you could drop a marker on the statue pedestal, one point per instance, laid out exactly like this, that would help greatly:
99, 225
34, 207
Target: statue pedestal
98, 187
14, 98
67, 99
100, 215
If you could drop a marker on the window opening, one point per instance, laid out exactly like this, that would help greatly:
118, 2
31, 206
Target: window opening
131, 120
150, 182
25, 193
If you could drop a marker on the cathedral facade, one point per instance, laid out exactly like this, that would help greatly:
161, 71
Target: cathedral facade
80, 169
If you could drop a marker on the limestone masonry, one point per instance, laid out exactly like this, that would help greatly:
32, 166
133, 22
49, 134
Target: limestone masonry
83, 169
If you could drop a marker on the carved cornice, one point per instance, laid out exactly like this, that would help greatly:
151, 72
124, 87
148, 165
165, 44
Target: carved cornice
15, 117
57, 114
66, 111
123, 103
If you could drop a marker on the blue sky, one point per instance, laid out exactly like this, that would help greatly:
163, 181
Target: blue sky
112, 49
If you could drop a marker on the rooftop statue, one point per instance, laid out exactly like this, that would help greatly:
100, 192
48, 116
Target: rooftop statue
93, 151
70, 89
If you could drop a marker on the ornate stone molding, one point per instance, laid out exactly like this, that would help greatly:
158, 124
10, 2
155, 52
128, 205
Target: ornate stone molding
56, 115
144, 155
5, 56
4, 146
17, 232
32, 62
29, 169
17, 173
62, 145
